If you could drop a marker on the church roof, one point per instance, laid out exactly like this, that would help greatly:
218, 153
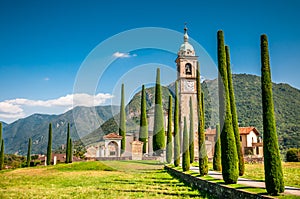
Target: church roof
112, 136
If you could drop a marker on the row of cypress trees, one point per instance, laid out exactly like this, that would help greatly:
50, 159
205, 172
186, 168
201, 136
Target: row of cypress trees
69, 154
228, 155
228, 146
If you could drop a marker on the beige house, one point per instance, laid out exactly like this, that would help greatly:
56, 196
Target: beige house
249, 137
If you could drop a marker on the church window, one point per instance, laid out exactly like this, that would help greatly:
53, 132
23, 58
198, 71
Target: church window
188, 69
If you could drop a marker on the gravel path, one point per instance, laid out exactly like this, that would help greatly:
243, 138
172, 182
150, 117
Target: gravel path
251, 183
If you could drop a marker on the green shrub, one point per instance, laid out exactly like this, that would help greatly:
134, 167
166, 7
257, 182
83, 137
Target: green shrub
293, 155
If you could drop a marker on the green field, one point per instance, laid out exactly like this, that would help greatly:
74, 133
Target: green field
111, 179
291, 173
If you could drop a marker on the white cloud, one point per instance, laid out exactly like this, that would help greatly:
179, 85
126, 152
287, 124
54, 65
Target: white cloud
123, 55
20, 107
46, 78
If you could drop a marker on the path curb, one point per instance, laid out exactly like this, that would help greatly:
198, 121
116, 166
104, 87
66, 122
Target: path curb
212, 188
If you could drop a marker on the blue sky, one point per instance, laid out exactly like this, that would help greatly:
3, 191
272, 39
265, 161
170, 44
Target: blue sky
43, 44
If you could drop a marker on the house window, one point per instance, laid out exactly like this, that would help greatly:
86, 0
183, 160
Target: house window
112, 153
241, 139
206, 138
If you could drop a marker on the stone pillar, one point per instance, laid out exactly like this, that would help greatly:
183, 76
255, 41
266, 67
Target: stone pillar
54, 160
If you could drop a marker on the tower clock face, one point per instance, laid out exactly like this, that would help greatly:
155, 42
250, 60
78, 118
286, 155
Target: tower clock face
189, 86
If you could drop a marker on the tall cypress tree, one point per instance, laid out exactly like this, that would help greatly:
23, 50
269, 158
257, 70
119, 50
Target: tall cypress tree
234, 115
49, 147
70, 151
185, 150
191, 136
158, 130
217, 153
122, 125
169, 134
176, 128
67, 144
229, 157
272, 163
203, 159
143, 137
2, 155
0, 132
1, 150
29, 152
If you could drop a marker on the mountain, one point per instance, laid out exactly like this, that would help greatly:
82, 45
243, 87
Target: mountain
3, 124
248, 100
133, 115
83, 120
91, 123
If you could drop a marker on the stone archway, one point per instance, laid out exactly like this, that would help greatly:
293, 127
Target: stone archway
113, 149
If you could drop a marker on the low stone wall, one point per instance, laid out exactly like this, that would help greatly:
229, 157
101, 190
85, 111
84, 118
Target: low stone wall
112, 158
212, 188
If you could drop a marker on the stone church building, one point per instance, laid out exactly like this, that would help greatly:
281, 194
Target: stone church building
187, 64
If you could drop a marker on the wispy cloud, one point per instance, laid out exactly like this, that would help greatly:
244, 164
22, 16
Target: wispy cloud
123, 55
14, 109
46, 78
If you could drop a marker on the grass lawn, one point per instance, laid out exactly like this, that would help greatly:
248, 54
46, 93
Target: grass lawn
291, 173
111, 179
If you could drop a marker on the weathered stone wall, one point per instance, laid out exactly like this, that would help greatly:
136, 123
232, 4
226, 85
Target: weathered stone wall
212, 188
112, 158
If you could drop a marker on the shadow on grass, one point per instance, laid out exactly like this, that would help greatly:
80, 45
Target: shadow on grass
155, 192
147, 162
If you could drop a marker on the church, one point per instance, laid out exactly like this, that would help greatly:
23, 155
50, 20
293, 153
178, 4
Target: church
187, 64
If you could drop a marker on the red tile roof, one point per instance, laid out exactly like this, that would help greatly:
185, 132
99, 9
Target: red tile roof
247, 130
243, 131
112, 136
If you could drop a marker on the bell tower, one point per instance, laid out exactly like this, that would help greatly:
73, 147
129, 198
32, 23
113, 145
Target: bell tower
187, 64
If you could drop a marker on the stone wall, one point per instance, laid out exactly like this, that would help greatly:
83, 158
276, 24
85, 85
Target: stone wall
111, 158
212, 188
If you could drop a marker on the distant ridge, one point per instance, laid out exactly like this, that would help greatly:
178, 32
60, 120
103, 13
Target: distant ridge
91, 129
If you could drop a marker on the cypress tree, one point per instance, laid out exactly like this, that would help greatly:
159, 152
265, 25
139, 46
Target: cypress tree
235, 123
143, 137
29, 152
67, 144
176, 128
217, 153
185, 150
191, 136
122, 125
2, 155
229, 157
169, 134
70, 151
203, 159
272, 163
49, 147
158, 130
0, 132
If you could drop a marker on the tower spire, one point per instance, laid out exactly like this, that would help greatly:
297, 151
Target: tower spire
185, 37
